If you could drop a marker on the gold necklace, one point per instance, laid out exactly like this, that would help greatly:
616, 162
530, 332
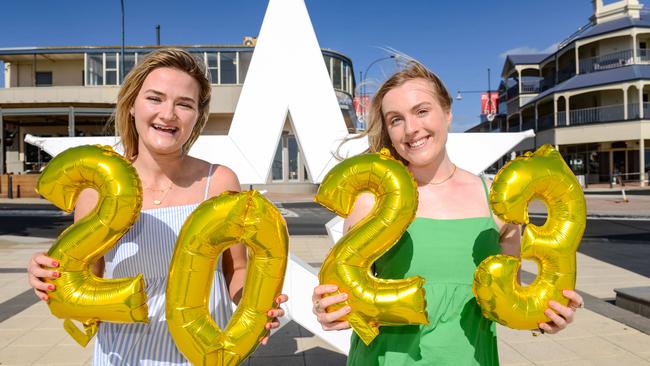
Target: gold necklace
453, 171
157, 202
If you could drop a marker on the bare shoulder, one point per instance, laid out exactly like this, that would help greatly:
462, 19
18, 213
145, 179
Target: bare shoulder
223, 179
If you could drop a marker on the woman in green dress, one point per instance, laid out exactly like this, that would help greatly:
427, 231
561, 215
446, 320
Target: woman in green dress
453, 231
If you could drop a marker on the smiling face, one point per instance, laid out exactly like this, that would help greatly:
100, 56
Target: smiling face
416, 123
166, 110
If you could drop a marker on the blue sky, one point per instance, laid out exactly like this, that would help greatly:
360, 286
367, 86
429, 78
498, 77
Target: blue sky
457, 40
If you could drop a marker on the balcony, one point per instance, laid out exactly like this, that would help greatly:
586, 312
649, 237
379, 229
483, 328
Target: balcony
608, 61
608, 113
545, 122
633, 110
566, 73
530, 87
512, 91
528, 125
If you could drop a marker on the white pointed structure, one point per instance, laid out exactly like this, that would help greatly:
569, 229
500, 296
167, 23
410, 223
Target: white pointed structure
287, 75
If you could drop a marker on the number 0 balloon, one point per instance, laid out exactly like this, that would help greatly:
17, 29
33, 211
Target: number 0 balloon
79, 294
215, 225
545, 176
375, 302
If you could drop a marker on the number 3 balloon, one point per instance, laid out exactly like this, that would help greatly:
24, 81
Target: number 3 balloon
79, 294
545, 176
374, 301
218, 223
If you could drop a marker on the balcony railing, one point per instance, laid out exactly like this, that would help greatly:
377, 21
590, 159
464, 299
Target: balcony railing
561, 118
513, 91
545, 122
605, 62
530, 87
643, 56
597, 114
528, 125
633, 110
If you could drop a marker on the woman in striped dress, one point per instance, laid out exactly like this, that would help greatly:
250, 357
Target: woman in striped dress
161, 110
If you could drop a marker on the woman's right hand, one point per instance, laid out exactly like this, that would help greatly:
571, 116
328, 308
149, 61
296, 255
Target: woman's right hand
330, 321
36, 274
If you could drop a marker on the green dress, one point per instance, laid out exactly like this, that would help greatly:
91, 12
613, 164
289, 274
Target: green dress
445, 253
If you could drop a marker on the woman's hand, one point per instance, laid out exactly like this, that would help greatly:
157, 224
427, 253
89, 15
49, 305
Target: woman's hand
330, 321
274, 313
560, 315
36, 274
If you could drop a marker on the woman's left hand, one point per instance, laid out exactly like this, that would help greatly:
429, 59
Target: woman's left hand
274, 313
561, 315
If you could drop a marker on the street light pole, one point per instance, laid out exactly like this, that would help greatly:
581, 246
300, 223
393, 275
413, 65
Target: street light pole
122, 53
459, 96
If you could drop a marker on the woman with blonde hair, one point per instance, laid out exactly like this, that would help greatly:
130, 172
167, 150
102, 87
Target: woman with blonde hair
161, 109
454, 230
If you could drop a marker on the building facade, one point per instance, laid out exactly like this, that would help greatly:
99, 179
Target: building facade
589, 98
71, 91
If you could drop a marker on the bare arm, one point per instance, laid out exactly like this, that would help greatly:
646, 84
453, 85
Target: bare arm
234, 259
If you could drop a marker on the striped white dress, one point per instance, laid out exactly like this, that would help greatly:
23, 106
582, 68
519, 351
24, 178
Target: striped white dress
148, 248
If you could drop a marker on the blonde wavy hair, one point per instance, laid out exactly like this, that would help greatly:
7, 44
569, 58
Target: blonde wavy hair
169, 57
377, 133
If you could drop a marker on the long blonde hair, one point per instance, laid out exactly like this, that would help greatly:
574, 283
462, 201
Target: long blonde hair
168, 57
377, 133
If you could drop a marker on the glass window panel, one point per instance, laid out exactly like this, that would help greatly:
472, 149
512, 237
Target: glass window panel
43, 78
293, 158
111, 61
213, 60
244, 61
276, 169
327, 65
95, 69
111, 77
213, 76
228, 67
129, 62
336, 73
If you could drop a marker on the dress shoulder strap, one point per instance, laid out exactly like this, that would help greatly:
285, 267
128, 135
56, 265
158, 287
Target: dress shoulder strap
207, 184
487, 194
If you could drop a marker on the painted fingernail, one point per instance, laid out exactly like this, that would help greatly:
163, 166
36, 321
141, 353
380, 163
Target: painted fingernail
50, 287
55, 264
56, 274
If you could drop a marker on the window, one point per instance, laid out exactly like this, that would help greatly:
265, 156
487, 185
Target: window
328, 65
244, 62
95, 69
43, 78
129, 62
228, 68
337, 77
293, 158
276, 169
213, 67
111, 69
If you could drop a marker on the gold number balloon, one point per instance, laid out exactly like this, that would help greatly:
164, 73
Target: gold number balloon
375, 302
545, 176
215, 225
79, 294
